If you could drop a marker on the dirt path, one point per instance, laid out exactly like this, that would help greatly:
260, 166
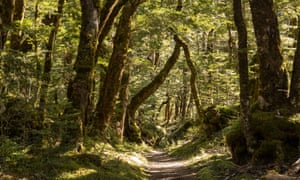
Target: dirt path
163, 167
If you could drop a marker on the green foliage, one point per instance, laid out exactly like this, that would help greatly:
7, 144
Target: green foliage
19, 120
236, 142
216, 170
10, 151
151, 133
190, 149
180, 131
269, 151
99, 162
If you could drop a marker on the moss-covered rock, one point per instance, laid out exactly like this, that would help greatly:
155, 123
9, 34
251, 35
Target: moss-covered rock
216, 170
277, 138
217, 118
268, 152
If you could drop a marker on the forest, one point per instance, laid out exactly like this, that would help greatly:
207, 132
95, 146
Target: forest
150, 89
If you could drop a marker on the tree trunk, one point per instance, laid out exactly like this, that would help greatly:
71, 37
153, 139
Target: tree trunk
184, 94
38, 68
7, 8
123, 98
112, 82
48, 61
79, 90
273, 78
131, 129
108, 14
193, 78
243, 71
17, 35
295, 81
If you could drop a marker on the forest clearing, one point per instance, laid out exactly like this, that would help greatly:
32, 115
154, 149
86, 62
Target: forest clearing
150, 89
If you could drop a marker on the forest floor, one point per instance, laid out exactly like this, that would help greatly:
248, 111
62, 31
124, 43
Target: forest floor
162, 166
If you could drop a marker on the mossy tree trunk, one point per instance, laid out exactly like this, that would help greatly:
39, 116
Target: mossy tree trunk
273, 85
108, 14
7, 8
132, 131
295, 81
79, 90
17, 42
122, 106
112, 82
243, 71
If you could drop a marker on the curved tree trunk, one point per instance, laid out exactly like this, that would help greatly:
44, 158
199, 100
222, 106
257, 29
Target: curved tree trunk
273, 78
131, 129
112, 82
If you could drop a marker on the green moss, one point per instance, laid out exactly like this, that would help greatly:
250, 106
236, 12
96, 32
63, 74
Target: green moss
268, 152
216, 170
237, 143
217, 118
189, 149
276, 137
151, 133
207, 173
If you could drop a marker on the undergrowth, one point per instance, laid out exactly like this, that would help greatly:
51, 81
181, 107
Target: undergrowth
98, 161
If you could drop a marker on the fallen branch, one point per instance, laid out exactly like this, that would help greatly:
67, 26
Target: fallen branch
295, 168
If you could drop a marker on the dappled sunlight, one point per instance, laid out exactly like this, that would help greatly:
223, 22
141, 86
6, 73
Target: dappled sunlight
81, 172
136, 159
161, 166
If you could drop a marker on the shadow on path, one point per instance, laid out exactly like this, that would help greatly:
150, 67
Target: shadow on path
163, 167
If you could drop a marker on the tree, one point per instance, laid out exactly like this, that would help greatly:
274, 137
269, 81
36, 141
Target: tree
17, 42
243, 71
80, 87
295, 80
193, 78
114, 73
273, 78
7, 8
131, 128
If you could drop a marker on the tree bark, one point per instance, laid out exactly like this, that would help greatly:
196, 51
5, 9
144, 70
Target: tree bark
184, 92
79, 89
123, 98
295, 80
112, 82
7, 9
243, 71
273, 78
107, 17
